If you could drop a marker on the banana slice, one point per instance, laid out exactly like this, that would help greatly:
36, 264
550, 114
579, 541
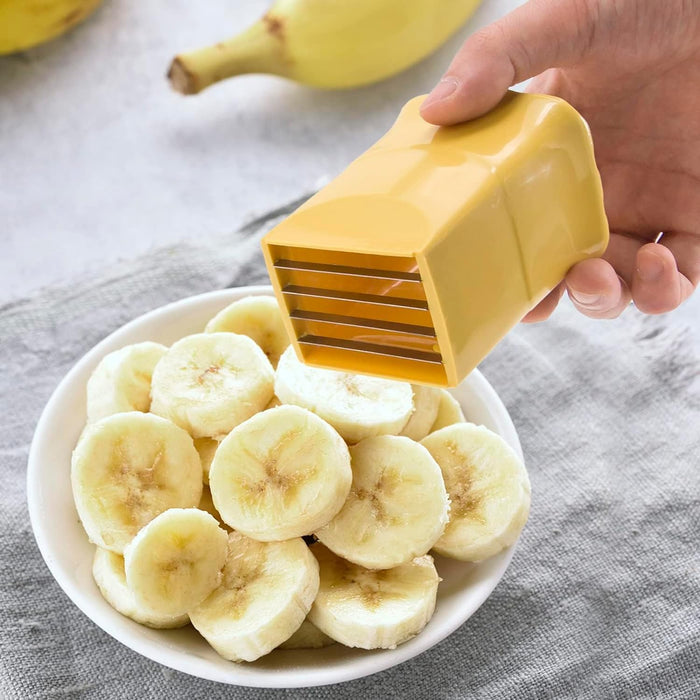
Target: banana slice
257, 317
128, 468
175, 561
426, 400
122, 380
281, 474
449, 412
489, 490
210, 382
266, 592
273, 403
356, 406
397, 506
206, 503
308, 636
369, 609
108, 572
206, 448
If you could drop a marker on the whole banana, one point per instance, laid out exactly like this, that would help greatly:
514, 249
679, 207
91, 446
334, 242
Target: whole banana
327, 43
25, 23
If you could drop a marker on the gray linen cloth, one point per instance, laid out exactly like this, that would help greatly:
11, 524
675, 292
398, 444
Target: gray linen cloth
601, 599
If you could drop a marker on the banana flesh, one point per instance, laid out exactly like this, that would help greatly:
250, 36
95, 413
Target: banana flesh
108, 572
449, 412
397, 507
280, 475
122, 380
208, 383
175, 561
206, 503
356, 406
273, 403
373, 609
258, 317
274, 468
266, 592
127, 469
206, 449
426, 401
308, 636
489, 491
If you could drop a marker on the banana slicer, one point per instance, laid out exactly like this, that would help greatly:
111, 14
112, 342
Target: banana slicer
419, 258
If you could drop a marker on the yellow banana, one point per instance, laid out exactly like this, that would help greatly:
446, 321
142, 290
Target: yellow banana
25, 23
327, 43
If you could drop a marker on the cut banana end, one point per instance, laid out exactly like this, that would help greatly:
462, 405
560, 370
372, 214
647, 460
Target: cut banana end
209, 383
449, 412
397, 507
175, 561
489, 490
281, 474
369, 609
206, 448
426, 400
356, 406
266, 592
128, 468
122, 380
108, 572
308, 636
258, 317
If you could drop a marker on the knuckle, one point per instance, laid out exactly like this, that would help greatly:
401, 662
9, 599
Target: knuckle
485, 41
656, 307
650, 302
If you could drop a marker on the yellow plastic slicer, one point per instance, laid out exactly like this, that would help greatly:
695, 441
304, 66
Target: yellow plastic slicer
418, 259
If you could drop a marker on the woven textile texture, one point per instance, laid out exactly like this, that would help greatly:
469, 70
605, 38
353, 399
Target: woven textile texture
602, 597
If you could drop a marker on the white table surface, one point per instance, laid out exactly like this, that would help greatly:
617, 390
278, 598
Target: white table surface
100, 161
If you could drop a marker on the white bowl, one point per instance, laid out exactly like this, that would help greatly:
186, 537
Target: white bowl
68, 554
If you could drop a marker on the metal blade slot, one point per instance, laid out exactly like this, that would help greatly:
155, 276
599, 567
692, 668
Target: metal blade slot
371, 348
358, 309
390, 366
343, 258
294, 290
339, 320
358, 334
359, 312
348, 270
378, 286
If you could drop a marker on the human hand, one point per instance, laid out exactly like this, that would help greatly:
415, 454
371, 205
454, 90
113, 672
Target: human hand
632, 69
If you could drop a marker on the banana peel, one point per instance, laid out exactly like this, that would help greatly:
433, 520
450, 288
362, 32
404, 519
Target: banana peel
26, 23
334, 45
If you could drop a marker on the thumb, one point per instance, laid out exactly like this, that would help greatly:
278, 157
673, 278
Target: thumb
538, 35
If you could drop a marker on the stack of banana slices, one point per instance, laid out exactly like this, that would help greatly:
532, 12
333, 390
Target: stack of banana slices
205, 468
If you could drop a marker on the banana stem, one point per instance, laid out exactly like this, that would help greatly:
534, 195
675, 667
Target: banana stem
259, 49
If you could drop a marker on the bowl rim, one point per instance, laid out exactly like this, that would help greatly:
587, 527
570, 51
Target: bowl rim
359, 667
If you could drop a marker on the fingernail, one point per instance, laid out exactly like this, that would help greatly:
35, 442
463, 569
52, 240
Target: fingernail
650, 268
442, 90
590, 300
